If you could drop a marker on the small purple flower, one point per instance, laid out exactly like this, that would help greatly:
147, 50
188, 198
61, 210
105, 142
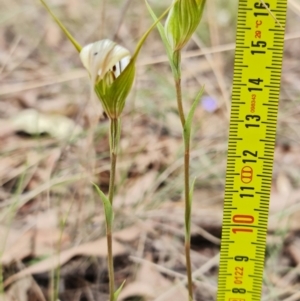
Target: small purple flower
209, 104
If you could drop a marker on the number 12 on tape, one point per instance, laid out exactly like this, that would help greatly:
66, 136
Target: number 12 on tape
255, 95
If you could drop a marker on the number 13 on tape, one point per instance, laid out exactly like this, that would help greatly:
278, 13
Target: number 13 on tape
255, 94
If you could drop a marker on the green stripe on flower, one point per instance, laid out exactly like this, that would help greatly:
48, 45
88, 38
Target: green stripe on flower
183, 19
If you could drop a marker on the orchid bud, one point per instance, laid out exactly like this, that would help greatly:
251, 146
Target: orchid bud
106, 61
183, 19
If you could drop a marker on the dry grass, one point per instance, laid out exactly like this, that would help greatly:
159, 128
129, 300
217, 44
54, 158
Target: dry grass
47, 203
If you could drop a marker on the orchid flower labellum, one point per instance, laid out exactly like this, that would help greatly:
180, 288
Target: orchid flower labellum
104, 60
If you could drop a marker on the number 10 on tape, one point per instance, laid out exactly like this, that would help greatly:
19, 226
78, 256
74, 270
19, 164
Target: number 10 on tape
255, 95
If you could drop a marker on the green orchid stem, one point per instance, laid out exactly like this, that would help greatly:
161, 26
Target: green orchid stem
114, 143
177, 78
114, 135
179, 100
110, 263
188, 210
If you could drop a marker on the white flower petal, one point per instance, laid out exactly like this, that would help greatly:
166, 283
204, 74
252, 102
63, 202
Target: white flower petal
84, 55
100, 57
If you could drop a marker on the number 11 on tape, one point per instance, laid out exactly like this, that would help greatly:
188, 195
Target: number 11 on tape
254, 108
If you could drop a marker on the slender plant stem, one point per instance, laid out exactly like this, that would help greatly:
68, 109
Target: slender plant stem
177, 78
110, 263
114, 142
179, 101
188, 210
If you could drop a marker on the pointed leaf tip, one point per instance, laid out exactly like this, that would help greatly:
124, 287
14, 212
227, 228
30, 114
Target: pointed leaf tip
188, 216
188, 122
62, 27
118, 291
161, 31
107, 206
144, 37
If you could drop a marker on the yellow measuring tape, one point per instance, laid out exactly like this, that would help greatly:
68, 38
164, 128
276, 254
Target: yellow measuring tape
255, 94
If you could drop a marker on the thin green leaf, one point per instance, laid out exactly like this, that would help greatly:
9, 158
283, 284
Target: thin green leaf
163, 36
118, 291
188, 122
188, 215
144, 37
107, 206
161, 31
63, 28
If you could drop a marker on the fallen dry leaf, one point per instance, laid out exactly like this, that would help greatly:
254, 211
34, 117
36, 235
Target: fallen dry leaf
6, 128
33, 242
60, 106
284, 210
8, 236
19, 290
4, 297
95, 248
74, 8
150, 284
294, 250
128, 234
280, 193
283, 184
53, 34
44, 220
8, 164
137, 289
136, 191
32, 122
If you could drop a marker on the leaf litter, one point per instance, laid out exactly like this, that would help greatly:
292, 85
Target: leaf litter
50, 216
